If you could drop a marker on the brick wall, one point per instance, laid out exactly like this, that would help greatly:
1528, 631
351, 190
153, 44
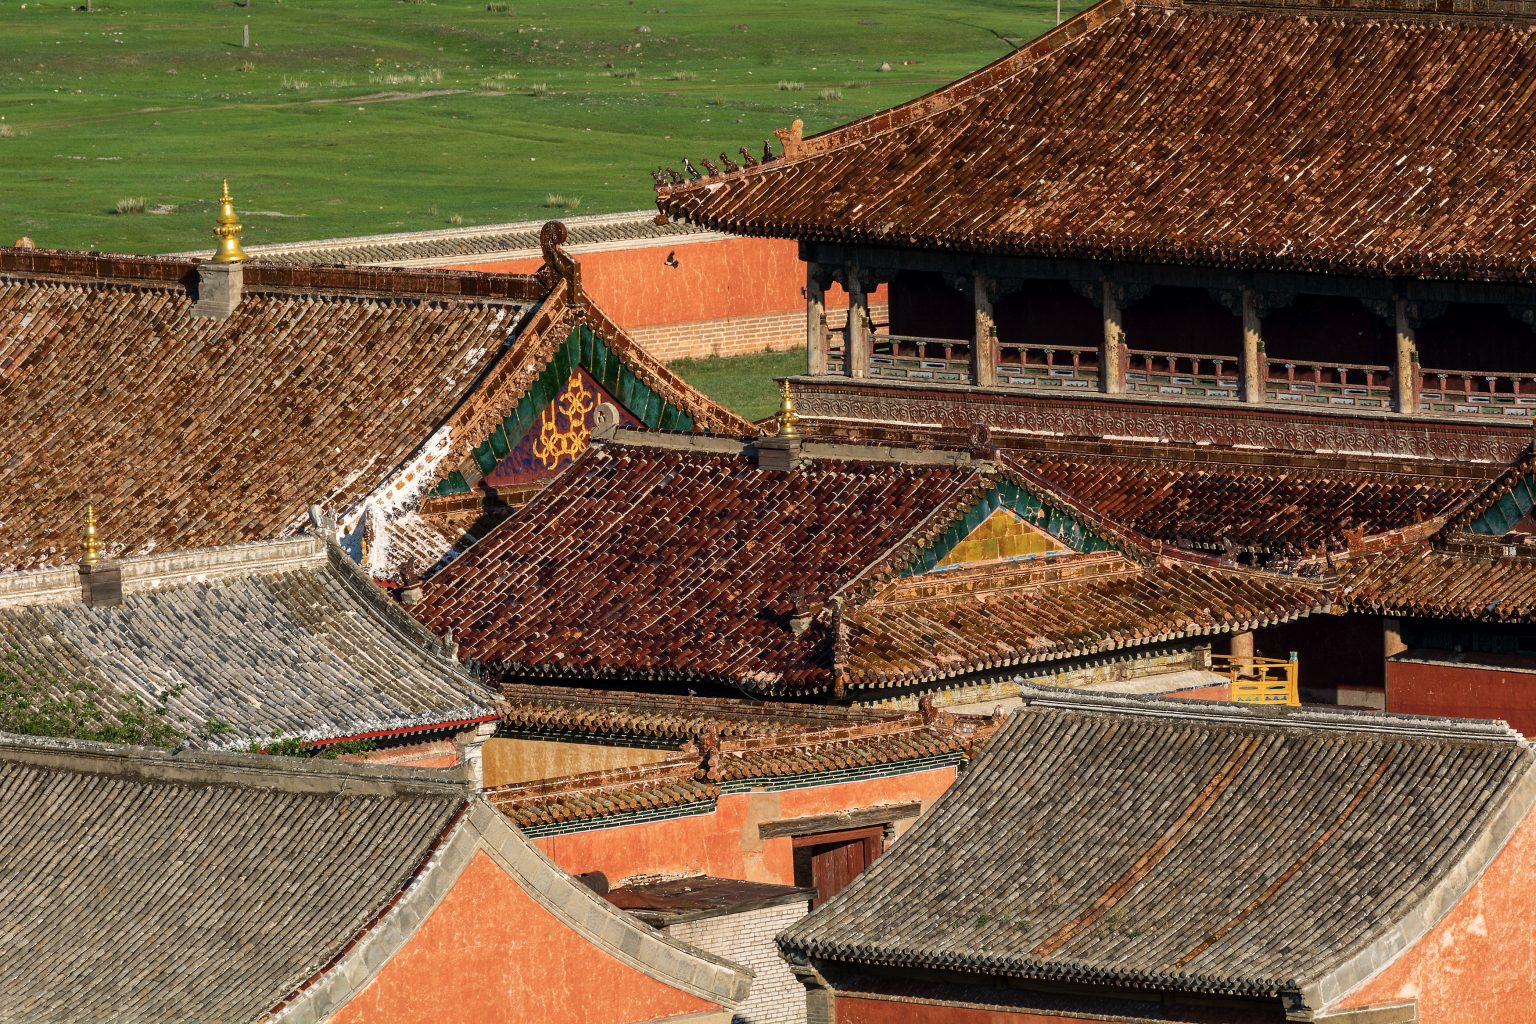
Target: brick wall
735, 336
747, 939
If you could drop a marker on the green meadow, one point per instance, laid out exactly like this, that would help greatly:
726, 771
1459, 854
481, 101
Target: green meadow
365, 116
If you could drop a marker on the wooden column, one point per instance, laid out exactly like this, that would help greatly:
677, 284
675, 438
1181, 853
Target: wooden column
1242, 650
984, 342
816, 340
1253, 369
1392, 637
1112, 358
856, 347
1405, 370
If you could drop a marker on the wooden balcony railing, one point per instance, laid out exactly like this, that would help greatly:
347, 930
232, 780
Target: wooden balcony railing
1047, 366
946, 360
1465, 391
1177, 373
1347, 384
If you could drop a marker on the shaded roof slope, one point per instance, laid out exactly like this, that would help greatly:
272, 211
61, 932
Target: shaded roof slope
680, 563
139, 887
282, 639
1191, 847
1349, 137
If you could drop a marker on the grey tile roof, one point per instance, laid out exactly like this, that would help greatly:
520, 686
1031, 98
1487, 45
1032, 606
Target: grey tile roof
281, 639
1199, 848
144, 887
491, 241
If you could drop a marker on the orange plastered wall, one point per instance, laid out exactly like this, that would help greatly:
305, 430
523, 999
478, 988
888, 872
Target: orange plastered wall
1478, 964
490, 953
725, 843
714, 279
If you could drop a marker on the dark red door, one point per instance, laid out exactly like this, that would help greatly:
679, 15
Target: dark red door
831, 860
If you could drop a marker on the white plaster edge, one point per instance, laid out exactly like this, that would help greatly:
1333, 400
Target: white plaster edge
147, 572
1493, 835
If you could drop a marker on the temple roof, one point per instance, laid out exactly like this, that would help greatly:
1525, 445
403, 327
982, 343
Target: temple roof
1474, 579
927, 628
721, 744
154, 887
1187, 847
247, 644
1385, 139
448, 246
353, 389
1222, 499
684, 563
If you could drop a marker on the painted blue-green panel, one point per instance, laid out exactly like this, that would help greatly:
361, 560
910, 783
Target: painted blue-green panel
1060, 524
1512, 507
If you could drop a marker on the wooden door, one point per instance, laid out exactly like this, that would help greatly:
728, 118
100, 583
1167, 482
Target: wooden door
830, 860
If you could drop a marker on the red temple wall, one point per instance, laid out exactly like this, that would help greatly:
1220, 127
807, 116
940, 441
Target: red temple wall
490, 953
729, 296
1478, 964
725, 843
1463, 691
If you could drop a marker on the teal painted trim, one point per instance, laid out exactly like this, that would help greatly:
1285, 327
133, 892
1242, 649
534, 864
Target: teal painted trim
1062, 525
453, 483
809, 779
615, 820
1508, 510
583, 347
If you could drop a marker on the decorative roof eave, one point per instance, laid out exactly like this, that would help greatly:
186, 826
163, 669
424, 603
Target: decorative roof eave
1479, 504
864, 680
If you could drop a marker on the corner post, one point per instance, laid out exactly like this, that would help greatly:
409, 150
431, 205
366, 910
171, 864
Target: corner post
816, 341
1405, 370
856, 348
984, 343
1112, 354
1253, 369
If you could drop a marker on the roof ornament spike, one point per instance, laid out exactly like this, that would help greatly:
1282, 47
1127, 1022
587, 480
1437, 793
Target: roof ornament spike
692, 171
228, 230
789, 422
90, 550
728, 163
659, 177
714, 172
747, 159
677, 179
768, 156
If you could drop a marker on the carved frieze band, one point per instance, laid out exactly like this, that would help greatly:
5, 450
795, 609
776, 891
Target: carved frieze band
1088, 418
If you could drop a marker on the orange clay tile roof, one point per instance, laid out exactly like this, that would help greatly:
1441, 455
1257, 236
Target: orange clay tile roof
647, 563
191, 432
1255, 503
959, 621
1317, 138
1470, 579
674, 720
797, 748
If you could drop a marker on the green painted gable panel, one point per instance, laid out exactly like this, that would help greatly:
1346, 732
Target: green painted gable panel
1064, 526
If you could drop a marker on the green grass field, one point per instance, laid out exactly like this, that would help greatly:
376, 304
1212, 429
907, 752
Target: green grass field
366, 116
743, 383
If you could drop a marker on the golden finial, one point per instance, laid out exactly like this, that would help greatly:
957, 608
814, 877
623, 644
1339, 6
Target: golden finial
91, 552
228, 230
789, 423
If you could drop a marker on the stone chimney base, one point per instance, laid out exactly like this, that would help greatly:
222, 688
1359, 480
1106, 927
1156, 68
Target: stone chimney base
218, 289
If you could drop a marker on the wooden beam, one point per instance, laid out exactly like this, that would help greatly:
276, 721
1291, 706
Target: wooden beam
841, 821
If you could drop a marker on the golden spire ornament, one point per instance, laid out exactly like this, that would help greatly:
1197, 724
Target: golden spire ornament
789, 423
228, 230
90, 553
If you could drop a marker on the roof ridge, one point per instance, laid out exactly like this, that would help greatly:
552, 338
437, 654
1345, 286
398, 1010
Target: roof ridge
263, 771
1329, 720
168, 272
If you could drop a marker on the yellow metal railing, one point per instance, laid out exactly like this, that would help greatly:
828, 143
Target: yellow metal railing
1259, 680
